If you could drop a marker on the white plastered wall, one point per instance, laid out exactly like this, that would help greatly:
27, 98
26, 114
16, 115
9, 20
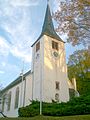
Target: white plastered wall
55, 69
37, 69
28, 96
47, 70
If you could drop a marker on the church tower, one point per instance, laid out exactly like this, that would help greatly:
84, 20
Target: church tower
49, 70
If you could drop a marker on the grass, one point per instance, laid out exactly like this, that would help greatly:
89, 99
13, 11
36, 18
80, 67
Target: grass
78, 117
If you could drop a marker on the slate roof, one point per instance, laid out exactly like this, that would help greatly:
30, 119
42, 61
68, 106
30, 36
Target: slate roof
15, 82
48, 27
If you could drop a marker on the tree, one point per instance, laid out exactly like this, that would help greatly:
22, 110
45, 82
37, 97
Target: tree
1, 93
73, 18
79, 67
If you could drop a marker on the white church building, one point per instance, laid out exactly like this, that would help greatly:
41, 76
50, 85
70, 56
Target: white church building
47, 80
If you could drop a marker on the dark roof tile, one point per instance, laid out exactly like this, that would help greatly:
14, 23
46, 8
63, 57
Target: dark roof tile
15, 82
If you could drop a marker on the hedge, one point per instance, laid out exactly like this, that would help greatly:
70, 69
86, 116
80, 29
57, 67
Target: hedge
76, 106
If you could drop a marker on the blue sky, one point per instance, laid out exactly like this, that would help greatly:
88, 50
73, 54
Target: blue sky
20, 25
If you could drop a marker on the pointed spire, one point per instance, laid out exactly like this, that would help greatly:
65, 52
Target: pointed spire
48, 24
48, 27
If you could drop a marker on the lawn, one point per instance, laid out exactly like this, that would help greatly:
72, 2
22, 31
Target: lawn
78, 117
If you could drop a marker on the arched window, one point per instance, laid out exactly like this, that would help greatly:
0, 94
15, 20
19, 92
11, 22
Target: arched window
3, 103
9, 101
17, 97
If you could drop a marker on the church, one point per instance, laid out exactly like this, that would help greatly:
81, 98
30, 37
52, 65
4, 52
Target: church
47, 80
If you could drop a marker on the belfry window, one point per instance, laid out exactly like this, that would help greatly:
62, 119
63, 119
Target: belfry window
54, 45
57, 85
37, 46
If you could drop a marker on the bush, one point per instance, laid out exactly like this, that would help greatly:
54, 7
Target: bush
77, 106
29, 111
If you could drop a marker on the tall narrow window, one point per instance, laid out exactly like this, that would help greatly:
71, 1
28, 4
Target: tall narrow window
3, 103
37, 46
9, 101
54, 45
57, 85
17, 97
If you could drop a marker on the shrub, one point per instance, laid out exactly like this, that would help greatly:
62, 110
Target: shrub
77, 106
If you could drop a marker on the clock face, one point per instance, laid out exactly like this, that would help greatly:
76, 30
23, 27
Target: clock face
55, 54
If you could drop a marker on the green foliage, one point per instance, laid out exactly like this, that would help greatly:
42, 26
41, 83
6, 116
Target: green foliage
78, 117
83, 86
79, 68
29, 111
76, 106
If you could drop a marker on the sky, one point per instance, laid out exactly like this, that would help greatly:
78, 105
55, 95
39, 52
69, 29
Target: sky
20, 25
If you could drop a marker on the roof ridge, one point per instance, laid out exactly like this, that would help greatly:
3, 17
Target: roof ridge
16, 81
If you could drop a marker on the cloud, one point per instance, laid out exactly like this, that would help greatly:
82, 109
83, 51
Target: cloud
22, 54
15, 23
4, 47
9, 73
3, 64
16, 37
15, 49
2, 72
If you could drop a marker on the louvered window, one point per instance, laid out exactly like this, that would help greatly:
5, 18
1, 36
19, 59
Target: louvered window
54, 45
37, 46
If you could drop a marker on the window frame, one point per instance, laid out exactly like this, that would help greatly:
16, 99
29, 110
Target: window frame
16, 98
3, 102
57, 85
55, 45
9, 101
